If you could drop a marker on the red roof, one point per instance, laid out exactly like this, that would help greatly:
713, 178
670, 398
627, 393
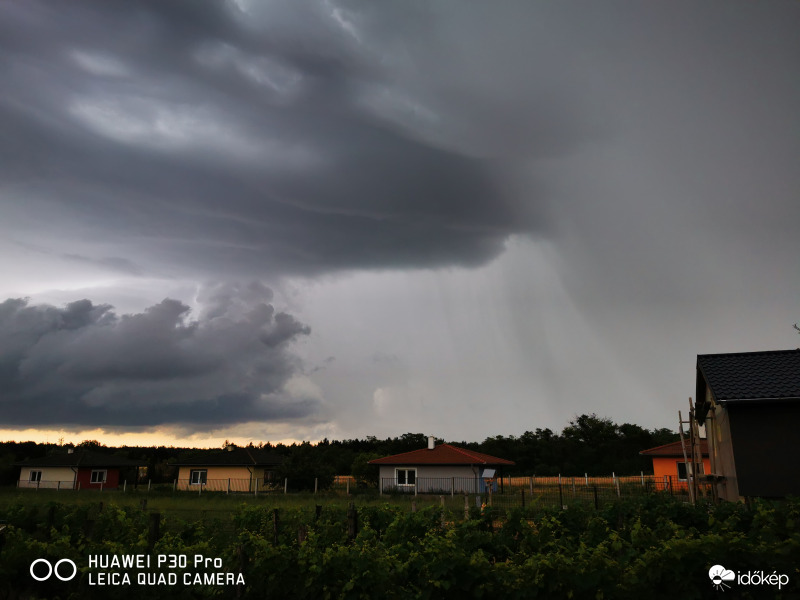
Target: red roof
442, 454
674, 449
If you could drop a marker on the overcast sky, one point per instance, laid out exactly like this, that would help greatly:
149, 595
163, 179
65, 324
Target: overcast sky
284, 220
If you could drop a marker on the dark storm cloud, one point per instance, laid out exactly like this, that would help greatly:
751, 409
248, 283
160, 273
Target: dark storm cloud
195, 130
83, 365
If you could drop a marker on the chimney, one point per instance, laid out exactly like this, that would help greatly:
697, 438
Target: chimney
431, 442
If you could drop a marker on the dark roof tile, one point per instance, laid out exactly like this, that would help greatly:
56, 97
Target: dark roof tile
79, 458
752, 375
237, 457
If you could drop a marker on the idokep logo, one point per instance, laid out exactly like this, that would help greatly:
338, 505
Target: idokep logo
719, 575
50, 570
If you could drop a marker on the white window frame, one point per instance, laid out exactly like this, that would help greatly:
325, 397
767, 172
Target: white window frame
35, 476
406, 471
99, 476
198, 476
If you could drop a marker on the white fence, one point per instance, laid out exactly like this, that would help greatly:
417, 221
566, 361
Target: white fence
47, 485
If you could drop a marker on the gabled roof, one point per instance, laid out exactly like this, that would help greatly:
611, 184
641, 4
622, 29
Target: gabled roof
674, 449
442, 454
747, 377
236, 457
79, 458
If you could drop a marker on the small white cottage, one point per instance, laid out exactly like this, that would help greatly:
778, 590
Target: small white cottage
439, 468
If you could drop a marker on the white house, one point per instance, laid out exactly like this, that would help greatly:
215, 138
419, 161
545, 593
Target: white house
439, 468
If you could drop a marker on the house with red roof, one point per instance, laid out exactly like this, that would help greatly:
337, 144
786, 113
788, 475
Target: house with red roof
669, 461
441, 468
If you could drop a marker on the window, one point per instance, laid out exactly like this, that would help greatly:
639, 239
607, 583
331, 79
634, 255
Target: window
99, 476
682, 470
198, 476
406, 476
35, 476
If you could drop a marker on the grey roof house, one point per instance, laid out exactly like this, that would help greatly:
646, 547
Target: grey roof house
233, 469
749, 403
75, 469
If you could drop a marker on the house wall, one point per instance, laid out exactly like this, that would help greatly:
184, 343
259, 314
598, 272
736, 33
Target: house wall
668, 465
720, 447
84, 479
766, 445
436, 478
51, 476
241, 478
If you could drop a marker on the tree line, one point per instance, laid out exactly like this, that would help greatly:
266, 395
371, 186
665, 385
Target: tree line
589, 444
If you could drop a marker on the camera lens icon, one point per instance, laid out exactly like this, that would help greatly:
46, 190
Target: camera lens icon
54, 569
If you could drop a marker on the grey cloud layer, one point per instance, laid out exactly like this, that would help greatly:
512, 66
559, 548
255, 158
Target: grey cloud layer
650, 148
82, 365
194, 130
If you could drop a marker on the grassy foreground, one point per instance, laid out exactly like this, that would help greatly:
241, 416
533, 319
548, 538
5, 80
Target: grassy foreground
652, 546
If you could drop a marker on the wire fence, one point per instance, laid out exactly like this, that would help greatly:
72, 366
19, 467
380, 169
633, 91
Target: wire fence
558, 491
501, 491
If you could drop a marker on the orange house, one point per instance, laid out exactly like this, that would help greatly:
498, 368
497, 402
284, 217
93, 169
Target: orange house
668, 460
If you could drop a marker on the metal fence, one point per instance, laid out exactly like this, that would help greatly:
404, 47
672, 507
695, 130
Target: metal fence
519, 491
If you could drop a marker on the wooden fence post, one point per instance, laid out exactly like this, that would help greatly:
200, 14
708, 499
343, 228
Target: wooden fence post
275, 523
560, 495
522, 492
155, 529
285, 485
452, 487
596, 503
466, 506
124, 486
149, 481
352, 521
316, 483
228, 491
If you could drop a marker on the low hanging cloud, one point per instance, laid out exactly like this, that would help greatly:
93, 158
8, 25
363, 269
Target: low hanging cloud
83, 365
